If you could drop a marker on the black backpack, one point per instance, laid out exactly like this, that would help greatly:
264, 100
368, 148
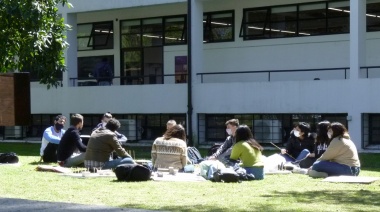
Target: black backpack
194, 155
133, 172
9, 157
226, 175
213, 149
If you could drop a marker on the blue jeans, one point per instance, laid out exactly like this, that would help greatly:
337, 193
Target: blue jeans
258, 172
303, 154
114, 163
335, 169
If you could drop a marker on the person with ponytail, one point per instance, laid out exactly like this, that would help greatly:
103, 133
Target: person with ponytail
248, 151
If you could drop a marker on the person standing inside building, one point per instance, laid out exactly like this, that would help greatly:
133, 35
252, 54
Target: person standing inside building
224, 151
71, 150
51, 138
103, 73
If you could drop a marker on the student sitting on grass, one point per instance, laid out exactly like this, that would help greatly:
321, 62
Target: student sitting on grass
300, 144
321, 144
102, 143
170, 150
340, 158
248, 150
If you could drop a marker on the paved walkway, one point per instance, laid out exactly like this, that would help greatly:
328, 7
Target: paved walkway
13, 205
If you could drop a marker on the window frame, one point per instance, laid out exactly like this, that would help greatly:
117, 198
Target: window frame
93, 36
268, 22
208, 26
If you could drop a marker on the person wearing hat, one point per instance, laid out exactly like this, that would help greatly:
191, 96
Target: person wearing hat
51, 138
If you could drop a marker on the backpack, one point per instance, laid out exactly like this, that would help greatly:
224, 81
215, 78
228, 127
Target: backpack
194, 155
105, 72
226, 175
133, 172
213, 149
9, 157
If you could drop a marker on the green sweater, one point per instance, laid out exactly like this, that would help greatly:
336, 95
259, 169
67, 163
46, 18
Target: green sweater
249, 156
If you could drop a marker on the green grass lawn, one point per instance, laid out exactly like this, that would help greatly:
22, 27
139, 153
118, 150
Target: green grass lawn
293, 192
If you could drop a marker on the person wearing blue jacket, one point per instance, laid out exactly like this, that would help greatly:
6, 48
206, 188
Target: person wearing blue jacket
51, 138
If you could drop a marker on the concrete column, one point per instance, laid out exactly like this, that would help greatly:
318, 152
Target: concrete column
116, 47
357, 59
196, 57
71, 52
357, 37
71, 64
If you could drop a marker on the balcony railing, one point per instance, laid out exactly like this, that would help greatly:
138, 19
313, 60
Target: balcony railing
277, 75
133, 80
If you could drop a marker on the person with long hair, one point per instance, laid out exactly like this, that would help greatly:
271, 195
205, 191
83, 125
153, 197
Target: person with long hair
341, 156
170, 150
321, 144
248, 150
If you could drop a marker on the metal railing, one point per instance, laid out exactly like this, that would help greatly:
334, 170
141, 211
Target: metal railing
367, 68
269, 72
132, 80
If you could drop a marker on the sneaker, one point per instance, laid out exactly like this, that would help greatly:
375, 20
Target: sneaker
315, 174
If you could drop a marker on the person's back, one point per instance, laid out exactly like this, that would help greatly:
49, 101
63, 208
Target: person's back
101, 144
169, 153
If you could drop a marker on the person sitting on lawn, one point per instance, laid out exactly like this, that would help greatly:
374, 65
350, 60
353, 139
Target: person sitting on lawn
71, 149
341, 156
102, 143
224, 151
300, 144
106, 117
51, 138
248, 151
170, 150
320, 146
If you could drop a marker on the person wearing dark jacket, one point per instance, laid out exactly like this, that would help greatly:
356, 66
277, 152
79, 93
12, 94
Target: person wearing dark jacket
300, 144
321, 144
71, 149
224, 151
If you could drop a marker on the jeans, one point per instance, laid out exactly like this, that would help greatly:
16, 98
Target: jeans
74, 160
335, 169
303, 154
258, 172
114, 163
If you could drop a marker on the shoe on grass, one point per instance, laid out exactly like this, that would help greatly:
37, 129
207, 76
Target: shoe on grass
315, 174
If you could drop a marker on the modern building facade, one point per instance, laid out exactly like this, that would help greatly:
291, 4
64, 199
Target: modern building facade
268, 63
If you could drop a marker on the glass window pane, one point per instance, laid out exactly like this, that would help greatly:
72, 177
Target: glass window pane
338, 9
256, 16
338, 25
84, 30
152, 32
284, 13
82, 44
283, 29
312, 27
221, 27
130, 27
130, 40
132, 68
175, 30
373, 17
312, 11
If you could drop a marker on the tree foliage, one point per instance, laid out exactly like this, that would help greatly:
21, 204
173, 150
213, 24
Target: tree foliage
32, 39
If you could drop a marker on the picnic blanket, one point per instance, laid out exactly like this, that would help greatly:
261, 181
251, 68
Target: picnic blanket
278, 172
100, 173
49, 168
179, 177
10, 164
351, 179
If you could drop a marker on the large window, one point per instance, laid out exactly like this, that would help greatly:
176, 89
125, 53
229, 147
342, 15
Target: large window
371, 131
175, 30
95, 36
218, 26
296, 20
373, 17
265, 127
87, 66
